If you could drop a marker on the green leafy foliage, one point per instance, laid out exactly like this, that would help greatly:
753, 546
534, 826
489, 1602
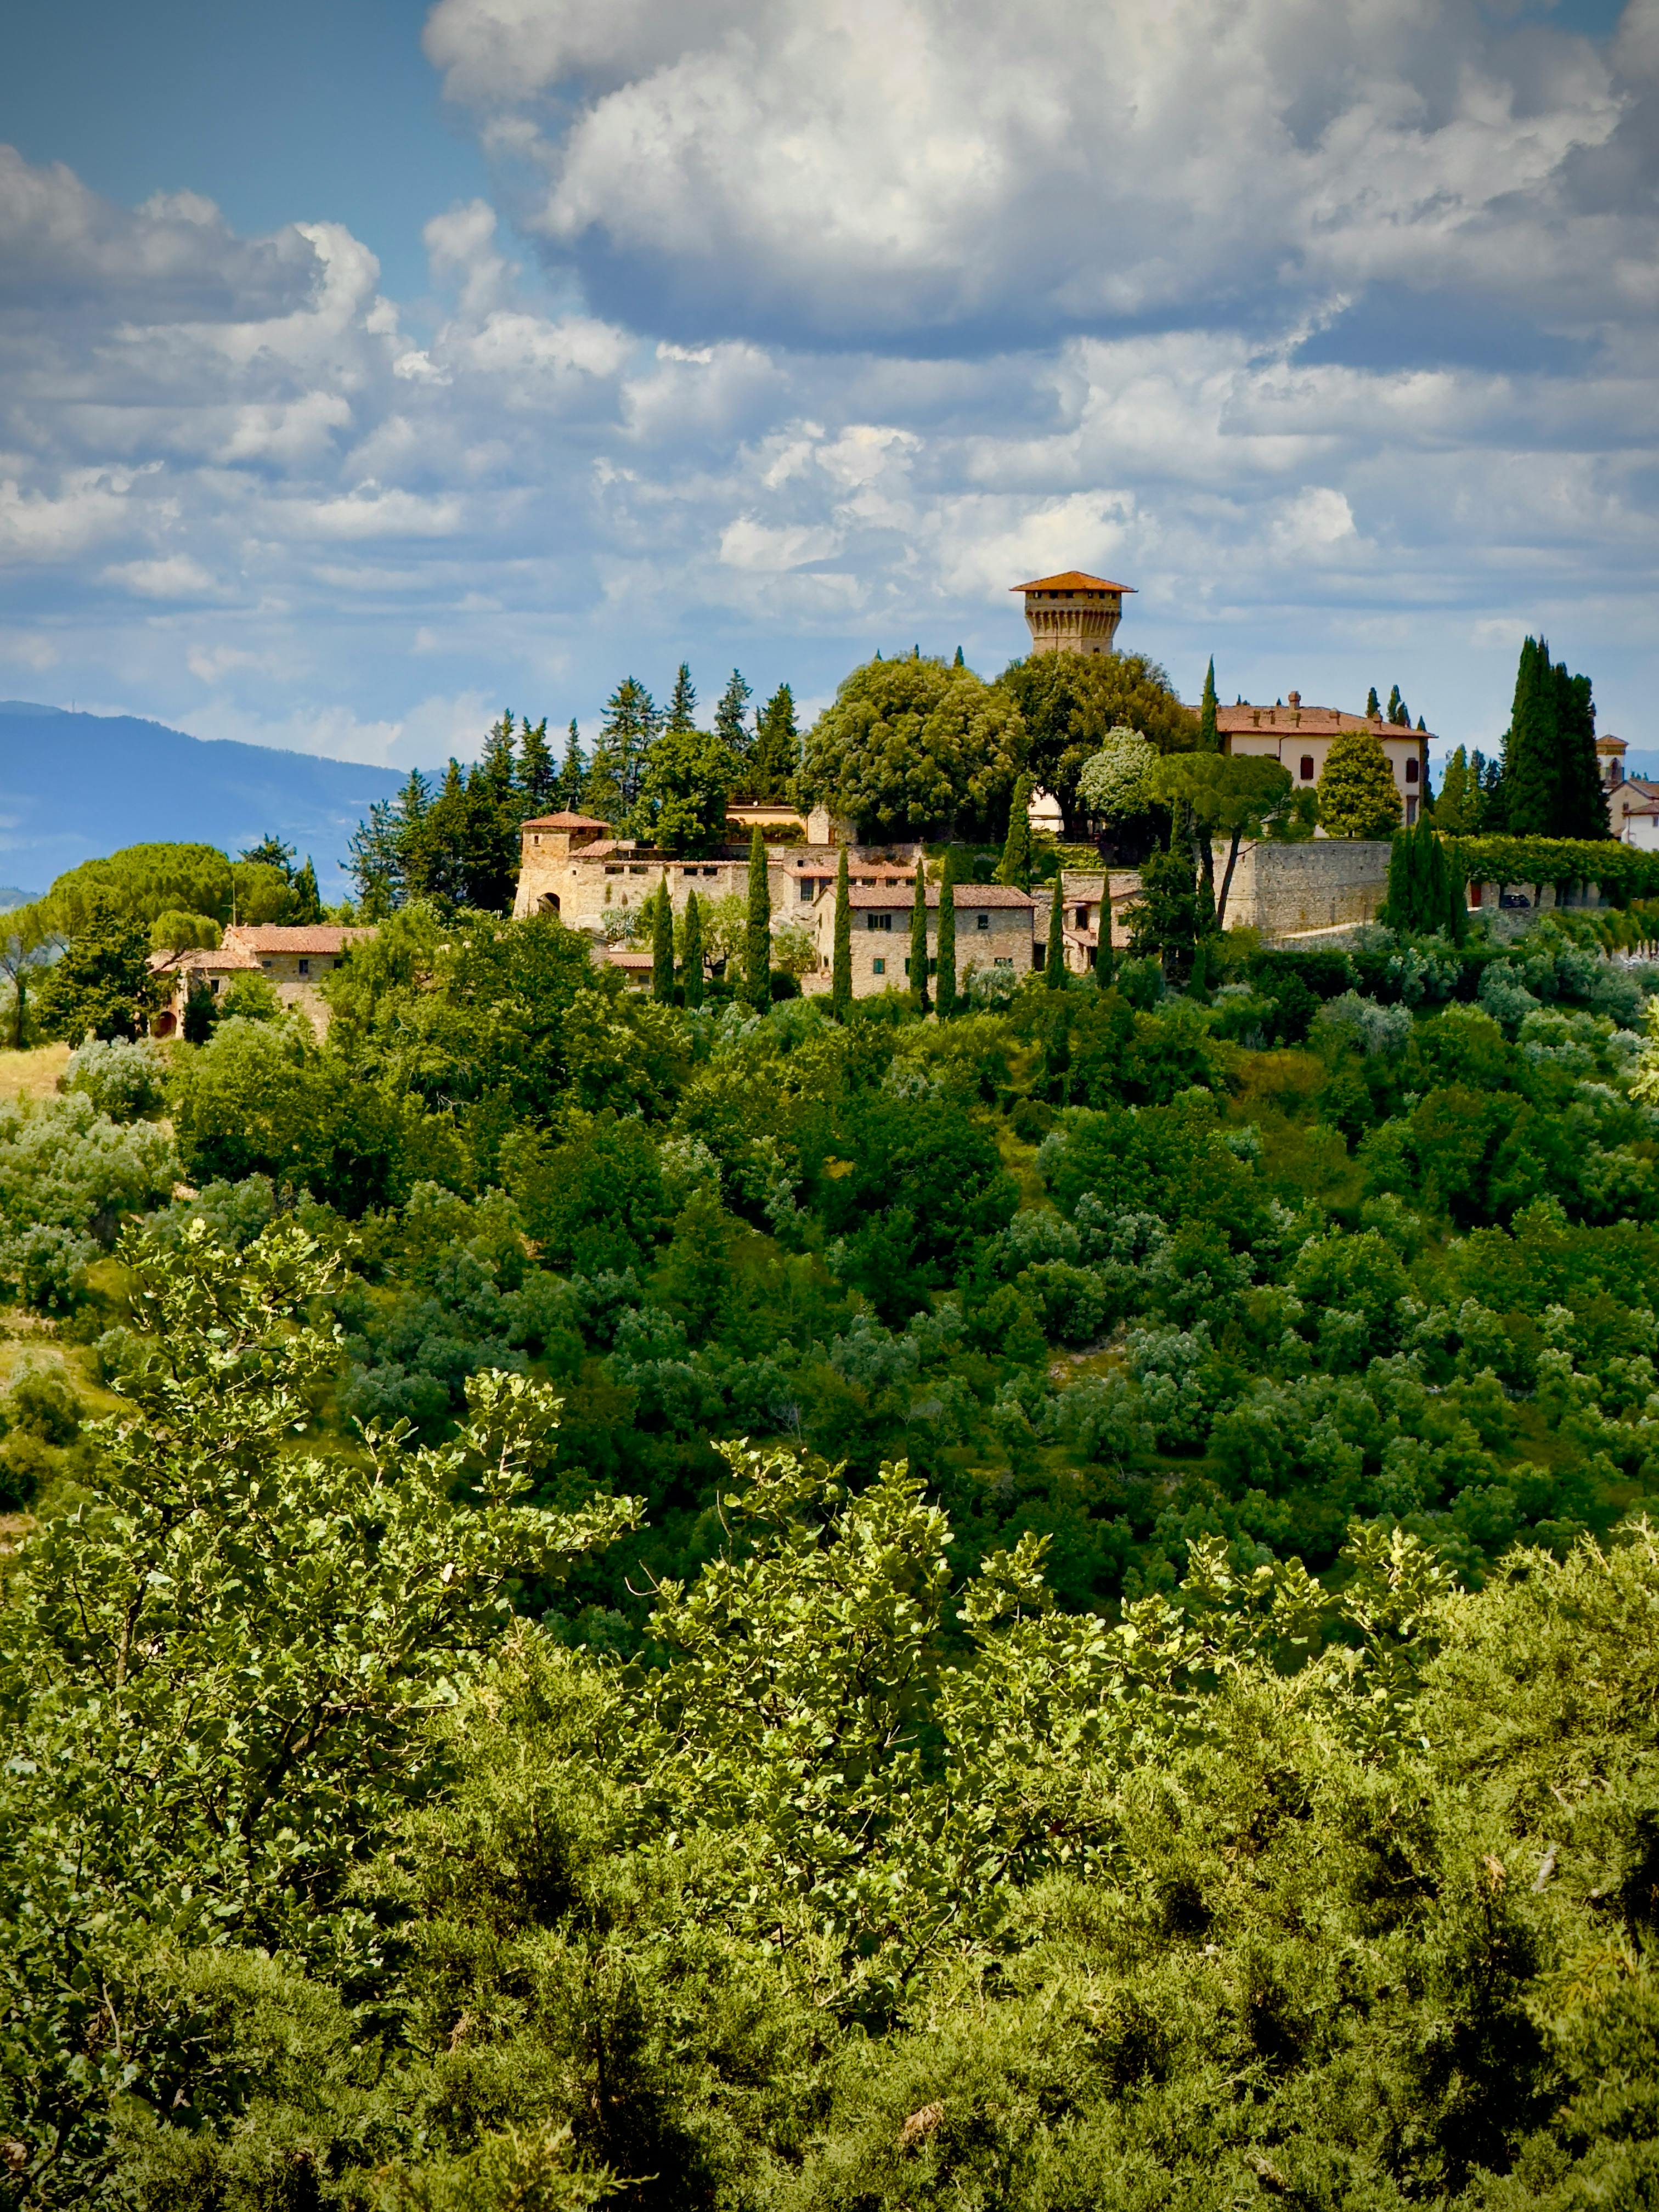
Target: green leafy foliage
1357, 797
907, 745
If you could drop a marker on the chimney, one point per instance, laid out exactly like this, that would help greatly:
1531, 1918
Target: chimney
1293, 699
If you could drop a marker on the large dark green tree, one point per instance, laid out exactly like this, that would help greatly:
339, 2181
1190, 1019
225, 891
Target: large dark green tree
100, 985
774, 758
1068, 701
539, 777
682, 712
683, 797
1552, 784
908, 746
630, 727
731, 717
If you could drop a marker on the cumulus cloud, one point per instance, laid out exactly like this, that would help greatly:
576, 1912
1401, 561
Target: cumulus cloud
831, 167
804, 326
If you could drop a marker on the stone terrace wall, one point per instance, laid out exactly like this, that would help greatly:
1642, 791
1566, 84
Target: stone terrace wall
1285, 891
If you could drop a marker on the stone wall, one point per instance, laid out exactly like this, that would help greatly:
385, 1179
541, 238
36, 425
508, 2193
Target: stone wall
1289, 890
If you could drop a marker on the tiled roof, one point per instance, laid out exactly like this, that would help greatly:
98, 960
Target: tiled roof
227, 958
563, 822
968, 894
308, 937
1073, 580
1305, 722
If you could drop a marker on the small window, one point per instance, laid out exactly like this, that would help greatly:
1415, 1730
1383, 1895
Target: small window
808, 887
638, 871
982, 921
1307, 768
711, 871
1413, 770
217, 980
879, 967
305, 967
1005, 963
1411, 813
878, 921
613, 868
265, 964
1082, 917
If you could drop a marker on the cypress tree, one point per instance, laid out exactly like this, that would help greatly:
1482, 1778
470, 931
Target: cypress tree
573, 776
1422, 727
919, 935
758, 939
946, 996
1532, 748
1053, 971
1015, 865
841, 977
1209, 739
1398, 713
662, 948
691, 950
1373, 705
1103, 956
1583, 799
958, 662
307, 900
1397, 907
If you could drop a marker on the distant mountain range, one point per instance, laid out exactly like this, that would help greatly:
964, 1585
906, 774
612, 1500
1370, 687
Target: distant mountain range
75, 786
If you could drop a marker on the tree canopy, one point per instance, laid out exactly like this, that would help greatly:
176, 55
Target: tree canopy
913, 745
1358, 795
1069, 702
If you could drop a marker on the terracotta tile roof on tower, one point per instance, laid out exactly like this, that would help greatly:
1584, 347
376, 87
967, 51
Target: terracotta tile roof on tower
563, 822
1073, 580
224, 959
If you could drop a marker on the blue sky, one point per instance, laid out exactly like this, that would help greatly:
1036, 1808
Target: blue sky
364, 369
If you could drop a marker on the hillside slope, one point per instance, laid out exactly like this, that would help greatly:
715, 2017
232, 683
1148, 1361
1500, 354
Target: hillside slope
72, 786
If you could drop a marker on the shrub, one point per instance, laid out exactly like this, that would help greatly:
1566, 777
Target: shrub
123, 1079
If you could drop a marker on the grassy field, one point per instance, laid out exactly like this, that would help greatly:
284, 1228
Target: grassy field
33, 1074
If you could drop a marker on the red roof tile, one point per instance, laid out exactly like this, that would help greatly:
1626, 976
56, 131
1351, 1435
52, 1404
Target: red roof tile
968, 894
1304, 721
1072, 579
281, 937
563, 822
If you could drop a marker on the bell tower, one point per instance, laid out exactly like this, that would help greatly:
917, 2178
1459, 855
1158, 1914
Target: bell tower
1072, 612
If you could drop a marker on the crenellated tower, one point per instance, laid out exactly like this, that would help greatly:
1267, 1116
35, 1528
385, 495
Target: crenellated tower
1073, 613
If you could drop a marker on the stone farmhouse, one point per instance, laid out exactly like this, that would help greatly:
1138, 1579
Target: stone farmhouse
994, 930
571, 866
293, 959
1300, 736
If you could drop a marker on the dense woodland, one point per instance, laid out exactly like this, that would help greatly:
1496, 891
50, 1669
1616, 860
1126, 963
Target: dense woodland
798, 1604
1049, 1608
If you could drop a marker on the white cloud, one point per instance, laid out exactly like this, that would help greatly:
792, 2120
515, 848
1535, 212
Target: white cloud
171, 576
930, 162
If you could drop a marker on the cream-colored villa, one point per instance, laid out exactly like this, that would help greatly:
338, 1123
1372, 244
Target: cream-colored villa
1300, 736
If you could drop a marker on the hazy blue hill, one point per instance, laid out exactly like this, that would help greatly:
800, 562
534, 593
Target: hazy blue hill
72, 786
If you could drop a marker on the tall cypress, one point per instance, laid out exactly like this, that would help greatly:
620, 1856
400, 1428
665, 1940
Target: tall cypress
758, 939
1015, 865
841, 975
1054, 974
662, 948
1532, 782
1209, 738
1583, 799
1373, 705
946, 995
919, 934
1103, 958
691, 950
